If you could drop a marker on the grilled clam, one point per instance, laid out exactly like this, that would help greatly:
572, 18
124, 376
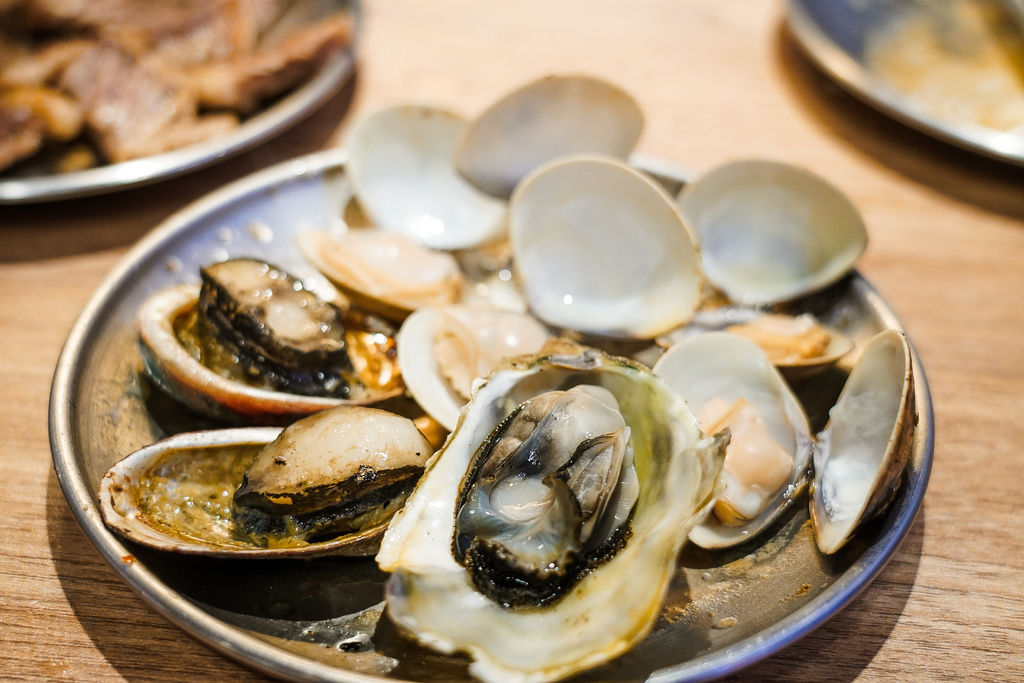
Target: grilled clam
384, 271
327, 484
443, 350
252, 341
729, 382
525, 522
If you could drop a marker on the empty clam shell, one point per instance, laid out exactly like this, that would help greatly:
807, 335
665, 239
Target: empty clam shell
728, 379
383, 271
442, 350
402, 172
863, 450
548, 118
771, 232
601, 249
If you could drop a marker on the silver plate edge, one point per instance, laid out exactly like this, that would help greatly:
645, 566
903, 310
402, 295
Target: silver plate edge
847, 72
268, 659
284, 114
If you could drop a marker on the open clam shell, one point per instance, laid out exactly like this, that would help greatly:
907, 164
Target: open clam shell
384, 272
771, 232
182, 494
799, 346
179, 373
726, 367
545, 119
402, 172
442, 350
600, 248
860, 456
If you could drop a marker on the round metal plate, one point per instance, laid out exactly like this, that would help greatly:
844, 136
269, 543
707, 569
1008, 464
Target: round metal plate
321, 619
834, 35
274, 119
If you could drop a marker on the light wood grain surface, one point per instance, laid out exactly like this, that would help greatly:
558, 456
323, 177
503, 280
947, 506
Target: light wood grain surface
717, 80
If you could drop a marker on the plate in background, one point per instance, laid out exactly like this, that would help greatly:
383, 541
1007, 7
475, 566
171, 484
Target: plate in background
272, 120
840, 35
321, 619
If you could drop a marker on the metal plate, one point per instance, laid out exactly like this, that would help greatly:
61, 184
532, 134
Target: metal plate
320, 619
37, 185
836, 35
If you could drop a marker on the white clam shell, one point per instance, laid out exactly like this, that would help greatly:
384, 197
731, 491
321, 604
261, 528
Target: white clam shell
383, 271
861, 454
771, 232
548, 118
492, 336
727, 366
600, 248
401, 168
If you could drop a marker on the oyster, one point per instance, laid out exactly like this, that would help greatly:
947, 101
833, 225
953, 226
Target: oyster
771, 232
328, 484
601, 249
730, 383
257, 344
861, 454
457, 574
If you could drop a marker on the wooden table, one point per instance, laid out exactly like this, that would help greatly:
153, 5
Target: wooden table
717, 80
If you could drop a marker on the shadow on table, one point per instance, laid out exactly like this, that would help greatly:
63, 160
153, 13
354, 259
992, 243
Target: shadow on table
70, 227
134, 639
850, 640
965, 176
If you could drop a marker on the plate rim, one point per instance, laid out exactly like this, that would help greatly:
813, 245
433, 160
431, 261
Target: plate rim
845, 70
269, 659
284, 114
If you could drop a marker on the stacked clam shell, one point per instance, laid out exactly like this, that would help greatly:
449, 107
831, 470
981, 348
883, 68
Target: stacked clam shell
506, 251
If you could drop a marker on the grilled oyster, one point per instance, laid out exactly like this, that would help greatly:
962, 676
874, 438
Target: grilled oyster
251, 340
328, 484
465, 577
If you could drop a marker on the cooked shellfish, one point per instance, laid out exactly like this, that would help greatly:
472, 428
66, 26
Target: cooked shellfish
328, 484
562, 623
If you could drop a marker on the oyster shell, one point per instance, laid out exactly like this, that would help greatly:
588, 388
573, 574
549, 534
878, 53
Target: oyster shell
601, 249
771, 232
184, 356
729, 381
862, 452
328, 484
434, 596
